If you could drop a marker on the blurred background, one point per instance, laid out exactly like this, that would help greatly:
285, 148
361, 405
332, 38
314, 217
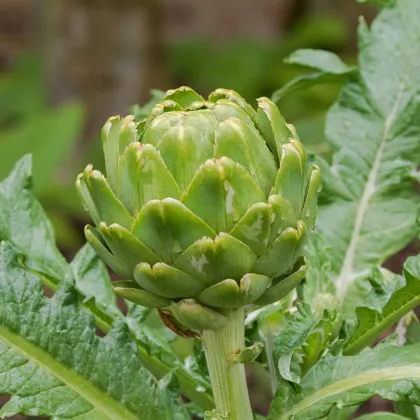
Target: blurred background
67, 65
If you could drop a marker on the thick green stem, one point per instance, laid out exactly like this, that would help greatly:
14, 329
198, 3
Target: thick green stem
228, 379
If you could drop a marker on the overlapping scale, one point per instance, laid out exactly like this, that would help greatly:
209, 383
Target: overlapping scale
116, 135
240, 142
143, 176
197, 316
126, 247
272, 126
97, 242
167, 281
107, 207
207, 205
221, 193
211, 261
280, 256
283, 285
290, 180
131, 291
232, 294
167, 228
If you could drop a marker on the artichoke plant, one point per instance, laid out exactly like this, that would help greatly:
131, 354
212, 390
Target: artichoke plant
206, 206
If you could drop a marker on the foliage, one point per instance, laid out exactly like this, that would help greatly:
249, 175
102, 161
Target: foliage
329, 68
367, 212
324, 345
57, 366
342, 381
31, 260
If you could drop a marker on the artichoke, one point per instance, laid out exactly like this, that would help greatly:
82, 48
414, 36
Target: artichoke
207, 205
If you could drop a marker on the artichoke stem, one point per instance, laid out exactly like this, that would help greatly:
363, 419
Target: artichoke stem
228, 380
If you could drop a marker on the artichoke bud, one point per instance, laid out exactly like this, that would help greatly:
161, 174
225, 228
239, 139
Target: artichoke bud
206, 205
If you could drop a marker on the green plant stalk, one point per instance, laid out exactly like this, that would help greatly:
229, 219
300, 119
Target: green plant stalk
269, 348
228, 380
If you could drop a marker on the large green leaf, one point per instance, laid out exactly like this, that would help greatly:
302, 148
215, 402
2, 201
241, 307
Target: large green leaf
290, 339
343, 381
49, 346
299, 346
24, 224
318, 280
329, 69
92, 278
373, 322
375, 129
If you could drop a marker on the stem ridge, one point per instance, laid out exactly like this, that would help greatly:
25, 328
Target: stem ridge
228, 379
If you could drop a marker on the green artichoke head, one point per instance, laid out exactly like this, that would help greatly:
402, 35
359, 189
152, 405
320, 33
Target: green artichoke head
206, 206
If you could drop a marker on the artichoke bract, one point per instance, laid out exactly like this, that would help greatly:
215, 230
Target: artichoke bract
207, 205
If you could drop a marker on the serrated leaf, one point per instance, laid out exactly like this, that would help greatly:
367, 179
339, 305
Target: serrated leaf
391, 372
158, 356
91, 278
292, 338
156, 339
318, 339
303, 340
318, 60
374, 128
318, 279
24, 223
212, 415
373, 322
56, 337
330, 69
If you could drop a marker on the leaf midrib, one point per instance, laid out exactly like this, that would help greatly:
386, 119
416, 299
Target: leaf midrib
101, 401
382, 325
386, 374
345, 277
